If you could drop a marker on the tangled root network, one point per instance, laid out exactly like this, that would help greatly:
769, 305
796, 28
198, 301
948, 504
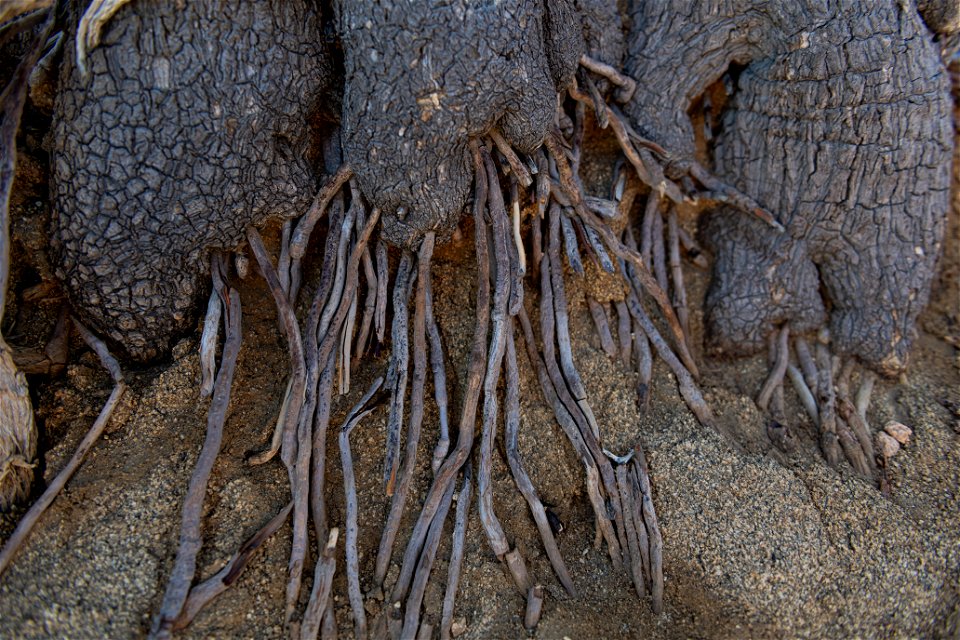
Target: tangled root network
417, 149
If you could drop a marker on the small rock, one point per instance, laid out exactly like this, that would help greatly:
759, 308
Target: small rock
459, 627
887, 445
898, 431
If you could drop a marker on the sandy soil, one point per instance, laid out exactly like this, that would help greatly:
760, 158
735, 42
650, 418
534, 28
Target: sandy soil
756, 544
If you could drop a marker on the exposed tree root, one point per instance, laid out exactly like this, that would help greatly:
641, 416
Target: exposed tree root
511, 432
653, 316
456, 551
331, 338
30, 518
184, 568
349, 487
205, 592
323, 349
401, 488
822, 384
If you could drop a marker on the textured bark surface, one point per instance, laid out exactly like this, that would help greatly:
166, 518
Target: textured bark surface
752, 547
841, 125
421, 81
194, 123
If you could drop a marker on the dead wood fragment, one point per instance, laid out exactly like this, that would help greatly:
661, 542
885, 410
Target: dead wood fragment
602, 324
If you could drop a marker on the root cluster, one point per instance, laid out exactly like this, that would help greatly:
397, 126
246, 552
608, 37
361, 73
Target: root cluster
523, 206
340, 327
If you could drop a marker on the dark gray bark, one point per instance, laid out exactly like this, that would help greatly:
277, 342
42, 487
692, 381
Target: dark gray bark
840, 125
192, 125
422, 80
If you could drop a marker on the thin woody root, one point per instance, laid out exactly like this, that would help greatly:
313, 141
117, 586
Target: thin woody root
324, 340
627, 85
641, 154
32, 516
184, 569
352, 527
822, 383
340, 325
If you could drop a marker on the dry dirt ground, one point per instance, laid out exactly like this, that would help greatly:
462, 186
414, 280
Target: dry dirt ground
755, 544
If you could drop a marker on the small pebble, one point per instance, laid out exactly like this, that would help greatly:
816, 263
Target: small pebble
898, 431
242, 263
887, 445
459, 627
